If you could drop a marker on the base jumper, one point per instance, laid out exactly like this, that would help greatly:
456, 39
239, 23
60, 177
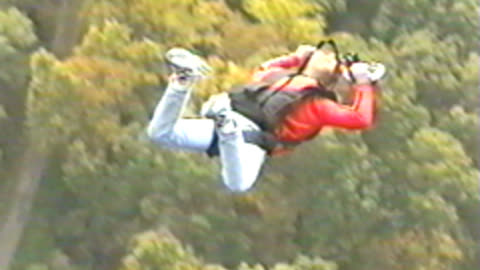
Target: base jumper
287, 102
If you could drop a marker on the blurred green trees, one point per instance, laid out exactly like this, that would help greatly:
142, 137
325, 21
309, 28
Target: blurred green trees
84, 77
17, 39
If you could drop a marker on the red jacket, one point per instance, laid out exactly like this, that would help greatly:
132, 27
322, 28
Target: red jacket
308, 119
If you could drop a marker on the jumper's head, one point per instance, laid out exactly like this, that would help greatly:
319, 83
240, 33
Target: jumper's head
323, 67
327, 66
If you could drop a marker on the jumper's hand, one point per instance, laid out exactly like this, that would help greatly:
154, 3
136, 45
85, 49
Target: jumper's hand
363, 73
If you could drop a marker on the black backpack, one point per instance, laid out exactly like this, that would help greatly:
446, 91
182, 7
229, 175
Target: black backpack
267, 107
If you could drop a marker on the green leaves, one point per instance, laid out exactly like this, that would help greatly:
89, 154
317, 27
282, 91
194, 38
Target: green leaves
17, 29
3, 113
161, 250
464, 126
279, 11
151, 250
439, 163
298, 21
163, 21
405, 190
445, 19
92, 91
17, 37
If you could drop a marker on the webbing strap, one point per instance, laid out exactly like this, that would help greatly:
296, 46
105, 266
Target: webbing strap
264, 140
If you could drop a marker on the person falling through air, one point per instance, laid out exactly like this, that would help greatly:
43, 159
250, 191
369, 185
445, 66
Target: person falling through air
287, 102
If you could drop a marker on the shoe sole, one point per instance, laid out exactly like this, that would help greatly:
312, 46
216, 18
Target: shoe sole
201, 69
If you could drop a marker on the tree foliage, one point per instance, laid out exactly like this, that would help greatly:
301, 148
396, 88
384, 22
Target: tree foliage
403, 195
17, 38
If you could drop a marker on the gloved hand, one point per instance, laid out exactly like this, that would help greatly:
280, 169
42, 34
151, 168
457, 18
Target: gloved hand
363, 72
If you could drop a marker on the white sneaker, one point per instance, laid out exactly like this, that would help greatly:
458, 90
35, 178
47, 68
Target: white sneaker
226, 124
365, 72
187, 64
218, 107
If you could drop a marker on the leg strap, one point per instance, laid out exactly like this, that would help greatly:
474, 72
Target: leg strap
264, 140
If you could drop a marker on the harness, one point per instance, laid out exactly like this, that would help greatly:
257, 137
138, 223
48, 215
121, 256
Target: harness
267, 106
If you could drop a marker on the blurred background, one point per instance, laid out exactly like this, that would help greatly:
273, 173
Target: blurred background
82, 189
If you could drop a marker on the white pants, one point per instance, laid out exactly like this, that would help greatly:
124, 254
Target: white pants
241, 161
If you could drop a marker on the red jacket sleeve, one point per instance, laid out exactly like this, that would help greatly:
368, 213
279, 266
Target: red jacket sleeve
286, 61
275, 65
359, 115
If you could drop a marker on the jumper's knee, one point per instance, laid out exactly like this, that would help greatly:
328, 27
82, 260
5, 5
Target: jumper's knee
238, 184
162, 137
238, 188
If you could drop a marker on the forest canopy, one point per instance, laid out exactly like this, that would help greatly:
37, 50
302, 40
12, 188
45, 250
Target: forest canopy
81, 188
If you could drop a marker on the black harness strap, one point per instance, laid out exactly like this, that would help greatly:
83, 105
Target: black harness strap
264, 140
